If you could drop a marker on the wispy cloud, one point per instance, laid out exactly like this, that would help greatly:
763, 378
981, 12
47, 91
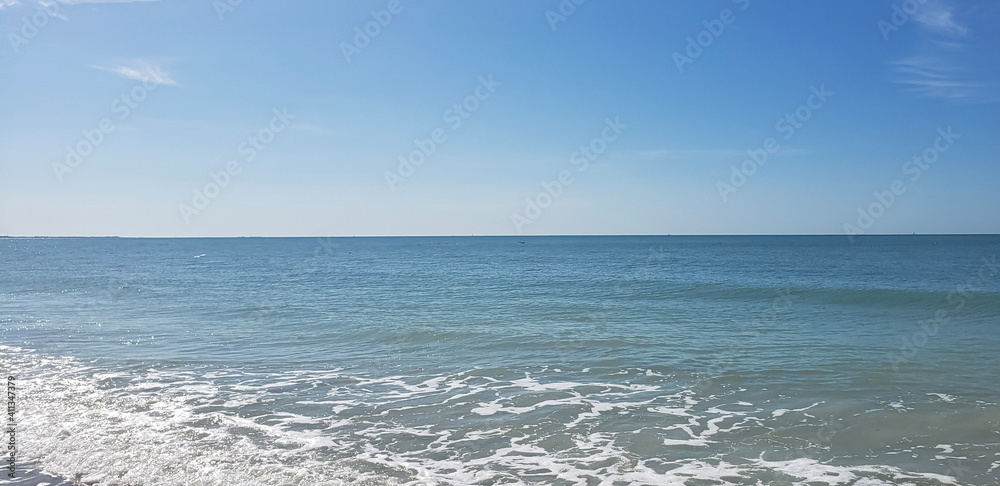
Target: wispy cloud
141, 70
939, 66
706, 154
938, 76
681, 154
14, 3
11, 3
937, 16
74, 2
47, 6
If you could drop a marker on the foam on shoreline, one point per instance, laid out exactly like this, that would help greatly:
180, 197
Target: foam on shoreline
222, 426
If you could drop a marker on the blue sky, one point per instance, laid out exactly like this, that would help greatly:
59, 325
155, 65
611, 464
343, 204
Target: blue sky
313, 117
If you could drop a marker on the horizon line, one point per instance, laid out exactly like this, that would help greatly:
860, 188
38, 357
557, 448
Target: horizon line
506, 235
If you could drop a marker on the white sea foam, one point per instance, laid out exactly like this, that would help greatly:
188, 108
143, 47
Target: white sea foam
240, 427
944, 397
781, 411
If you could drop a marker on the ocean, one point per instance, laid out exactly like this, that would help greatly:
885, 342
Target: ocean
679, 360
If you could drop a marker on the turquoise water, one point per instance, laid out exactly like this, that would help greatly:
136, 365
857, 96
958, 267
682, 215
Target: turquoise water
482, 360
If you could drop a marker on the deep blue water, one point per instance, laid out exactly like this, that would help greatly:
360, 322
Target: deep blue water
461, 360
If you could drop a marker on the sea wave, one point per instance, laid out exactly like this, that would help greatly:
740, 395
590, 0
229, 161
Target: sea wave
150, 424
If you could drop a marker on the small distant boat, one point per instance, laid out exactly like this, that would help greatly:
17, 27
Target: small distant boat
521, 242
